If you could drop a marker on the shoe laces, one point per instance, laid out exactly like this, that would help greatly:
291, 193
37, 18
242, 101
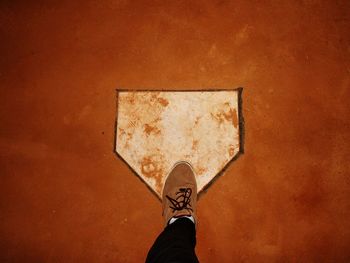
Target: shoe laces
182, 200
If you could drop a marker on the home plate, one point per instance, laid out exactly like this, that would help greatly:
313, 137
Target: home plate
156, 129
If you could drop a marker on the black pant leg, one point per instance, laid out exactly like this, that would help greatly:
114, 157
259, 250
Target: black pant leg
175, 244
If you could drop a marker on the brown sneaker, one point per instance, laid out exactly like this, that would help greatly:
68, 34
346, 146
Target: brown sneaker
180, 193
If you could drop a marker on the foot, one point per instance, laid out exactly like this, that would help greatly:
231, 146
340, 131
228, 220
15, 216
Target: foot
180, 193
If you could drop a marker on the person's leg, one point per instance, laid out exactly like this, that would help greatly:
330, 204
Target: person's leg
175, 244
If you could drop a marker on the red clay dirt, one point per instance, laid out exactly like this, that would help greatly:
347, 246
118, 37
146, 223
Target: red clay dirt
66, 197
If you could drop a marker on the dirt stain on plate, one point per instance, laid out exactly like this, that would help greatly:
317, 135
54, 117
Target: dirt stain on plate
226, 114
163, 102
151, 167
149, 129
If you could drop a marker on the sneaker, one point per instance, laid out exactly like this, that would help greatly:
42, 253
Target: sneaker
180, 193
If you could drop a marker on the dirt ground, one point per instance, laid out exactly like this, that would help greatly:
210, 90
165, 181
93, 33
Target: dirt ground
66, 197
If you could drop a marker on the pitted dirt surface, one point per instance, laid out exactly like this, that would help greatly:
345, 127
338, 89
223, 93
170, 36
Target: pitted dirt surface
66, 197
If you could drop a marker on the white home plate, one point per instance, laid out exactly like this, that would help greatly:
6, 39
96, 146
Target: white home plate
156, 129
